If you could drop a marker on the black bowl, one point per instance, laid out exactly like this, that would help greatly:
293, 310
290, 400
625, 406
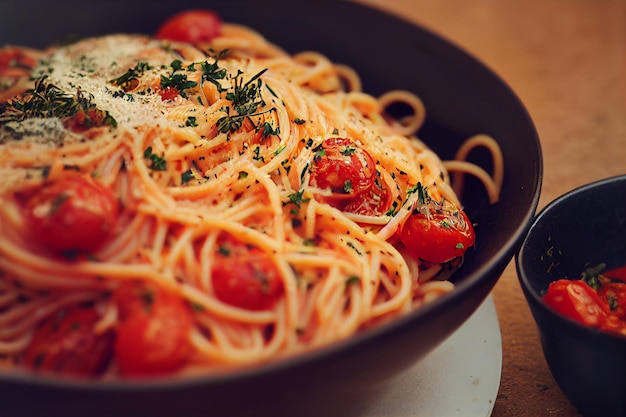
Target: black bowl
462, 98
585, 227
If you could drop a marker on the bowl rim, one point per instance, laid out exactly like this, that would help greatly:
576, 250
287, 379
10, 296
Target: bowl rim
533, 296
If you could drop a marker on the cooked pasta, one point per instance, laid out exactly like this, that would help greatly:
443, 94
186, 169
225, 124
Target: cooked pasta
240, 203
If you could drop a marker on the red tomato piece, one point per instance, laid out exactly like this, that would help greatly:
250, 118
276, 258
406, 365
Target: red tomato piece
84, 120
617, 273
576, 300
169, 93
15, 62
344, 168
374, 202
613, 294
66, 343
246, 278
191, 26
153, 334
73, 213
437, 238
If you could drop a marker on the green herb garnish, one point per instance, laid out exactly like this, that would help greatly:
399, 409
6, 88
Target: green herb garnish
191, 122
246, 99
158, 162
297, 198
128, 80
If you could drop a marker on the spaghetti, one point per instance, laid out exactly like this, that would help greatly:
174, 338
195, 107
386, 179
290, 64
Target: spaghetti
211, 205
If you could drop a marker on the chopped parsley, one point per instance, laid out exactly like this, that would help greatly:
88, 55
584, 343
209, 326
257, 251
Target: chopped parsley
186, 176
213, 73
353, 279
158, 162
246, 99
297, 198
351, 245
592, 275
280, 149
422, 193
269, 130
177, 80
57, 202
191, 122
129, 79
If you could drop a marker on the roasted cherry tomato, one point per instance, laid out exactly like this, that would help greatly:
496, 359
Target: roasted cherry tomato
374, 202
169, 93
84, 120
246, 278
191, 26
66, 343
617, 273
576, 300
153, 334
15, 62
344, 168
437, 237
613, 294
72, 213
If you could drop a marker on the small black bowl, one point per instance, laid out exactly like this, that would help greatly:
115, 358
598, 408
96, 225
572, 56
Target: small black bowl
584, 227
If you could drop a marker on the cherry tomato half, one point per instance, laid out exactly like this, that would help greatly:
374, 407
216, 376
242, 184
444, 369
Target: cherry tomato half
613, 294
437, 238
344, 168
169, 93
66, 343
617, 273
246, 278
153, 334
73, 213
374, 202
15, 62
576, 300
191, 26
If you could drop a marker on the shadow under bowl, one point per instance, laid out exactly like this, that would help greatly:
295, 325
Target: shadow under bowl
582, 228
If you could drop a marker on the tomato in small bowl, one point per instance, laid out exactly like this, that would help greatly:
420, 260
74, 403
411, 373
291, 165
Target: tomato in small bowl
571, 242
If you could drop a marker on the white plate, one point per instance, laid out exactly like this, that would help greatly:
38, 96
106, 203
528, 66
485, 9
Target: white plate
460, 378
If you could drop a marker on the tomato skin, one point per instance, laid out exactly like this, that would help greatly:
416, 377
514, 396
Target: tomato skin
169, 93
246, 279
72, 213
374, 202
437, 238
578, 301
344, 168
153, 334
65, 343
616, 292
617, 273
84, 120
15, 62
191, 26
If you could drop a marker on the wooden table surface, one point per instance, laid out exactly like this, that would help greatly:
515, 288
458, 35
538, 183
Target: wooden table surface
566, 61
